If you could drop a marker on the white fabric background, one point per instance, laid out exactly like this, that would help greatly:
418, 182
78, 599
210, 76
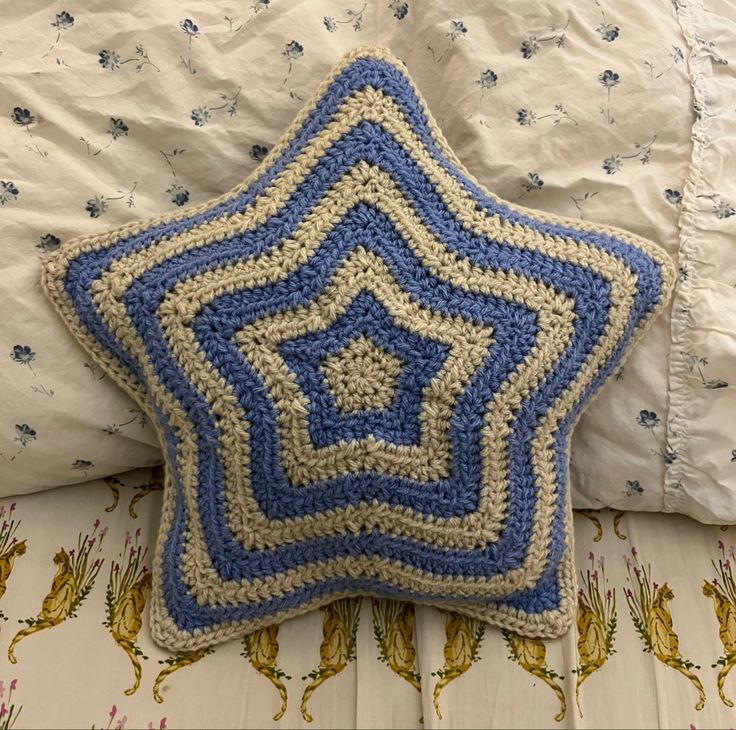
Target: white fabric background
67, 162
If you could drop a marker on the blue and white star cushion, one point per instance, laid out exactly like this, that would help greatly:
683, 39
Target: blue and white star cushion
364, 370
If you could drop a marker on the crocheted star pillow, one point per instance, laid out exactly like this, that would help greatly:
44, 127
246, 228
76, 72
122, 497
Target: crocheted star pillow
364, 370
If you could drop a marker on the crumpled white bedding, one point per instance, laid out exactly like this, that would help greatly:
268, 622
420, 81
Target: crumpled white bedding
120, 112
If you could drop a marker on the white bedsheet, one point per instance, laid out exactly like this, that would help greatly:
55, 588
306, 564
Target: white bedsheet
75, 674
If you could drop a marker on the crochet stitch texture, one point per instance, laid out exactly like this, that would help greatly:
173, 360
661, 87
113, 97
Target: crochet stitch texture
364, 370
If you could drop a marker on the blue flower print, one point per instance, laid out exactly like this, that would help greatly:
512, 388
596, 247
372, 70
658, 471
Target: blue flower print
609, 80
352, 17
108, 59
23, 355
612, 164
528, 48
669, 456
258, 152
293, 51
642, 152
179, 194
733, 454
533, 182
200, 116
531, 45
527, 117
633, 488
676, 56
722, 209
63, 21
22, 117
648, 419
118, 128
49, 242
488, 79
8, 191
399, 8
111, 60
696, 365
192, 31
99, 204
82, 465
96, 206
24, 433
457, 30
189, 28
673, 196
607, 31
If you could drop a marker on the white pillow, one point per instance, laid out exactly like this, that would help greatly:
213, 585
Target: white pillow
578, 110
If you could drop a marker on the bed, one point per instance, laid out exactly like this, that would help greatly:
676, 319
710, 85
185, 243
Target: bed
653, 645
619, 116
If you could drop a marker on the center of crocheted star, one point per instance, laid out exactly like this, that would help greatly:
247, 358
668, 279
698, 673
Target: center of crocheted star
362, 376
